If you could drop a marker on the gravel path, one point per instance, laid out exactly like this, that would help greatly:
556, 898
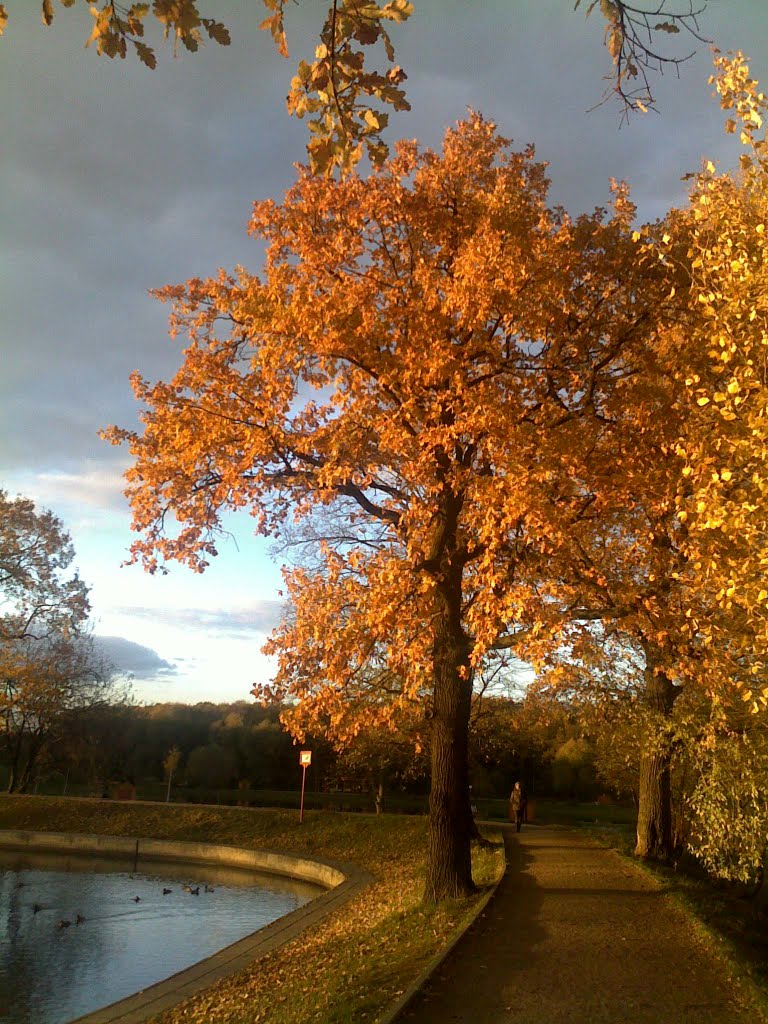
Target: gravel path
576, 935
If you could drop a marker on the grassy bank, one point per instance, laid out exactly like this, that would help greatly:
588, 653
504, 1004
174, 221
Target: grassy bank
355, 963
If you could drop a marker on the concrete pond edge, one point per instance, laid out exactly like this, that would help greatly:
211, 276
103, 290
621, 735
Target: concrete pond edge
341, 882
396, 1009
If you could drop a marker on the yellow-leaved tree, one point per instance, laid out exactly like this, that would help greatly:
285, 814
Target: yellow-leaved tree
724, 502
435, 353
677, 571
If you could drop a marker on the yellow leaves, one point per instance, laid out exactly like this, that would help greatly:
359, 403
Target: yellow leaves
275, 26
703, 400
115, 26
337, 89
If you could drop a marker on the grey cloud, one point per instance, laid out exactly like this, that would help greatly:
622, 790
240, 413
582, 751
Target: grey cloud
132, 658
116, 179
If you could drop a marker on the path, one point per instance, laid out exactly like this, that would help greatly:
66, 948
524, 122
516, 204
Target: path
576, 935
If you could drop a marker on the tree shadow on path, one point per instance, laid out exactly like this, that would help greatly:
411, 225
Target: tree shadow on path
576, 935
497, 946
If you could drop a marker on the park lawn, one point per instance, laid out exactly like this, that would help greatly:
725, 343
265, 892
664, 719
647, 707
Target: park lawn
355, 962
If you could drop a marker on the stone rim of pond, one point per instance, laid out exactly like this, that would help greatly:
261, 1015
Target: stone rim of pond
340, 880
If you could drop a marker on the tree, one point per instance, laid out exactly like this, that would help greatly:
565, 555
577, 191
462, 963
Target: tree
378, 758
728, 804
723, 503
37, 595
434, 345
170, 765
212, 766
43, 682
712, 534
48, 666
345, 100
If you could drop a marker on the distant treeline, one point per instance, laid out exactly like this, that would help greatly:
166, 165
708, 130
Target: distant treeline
215, 748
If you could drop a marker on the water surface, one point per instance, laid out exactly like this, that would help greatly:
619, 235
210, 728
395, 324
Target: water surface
131, 933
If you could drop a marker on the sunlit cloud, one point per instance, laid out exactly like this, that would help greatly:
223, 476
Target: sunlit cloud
96, 488
259, 617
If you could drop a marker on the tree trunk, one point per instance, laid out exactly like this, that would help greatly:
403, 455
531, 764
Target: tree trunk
14, 767
654, 813
449, 862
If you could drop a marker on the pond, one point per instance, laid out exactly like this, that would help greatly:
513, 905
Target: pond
78, 933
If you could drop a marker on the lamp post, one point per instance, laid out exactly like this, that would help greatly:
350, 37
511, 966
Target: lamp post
305, 760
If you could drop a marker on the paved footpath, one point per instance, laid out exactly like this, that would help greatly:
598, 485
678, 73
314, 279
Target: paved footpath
576, 935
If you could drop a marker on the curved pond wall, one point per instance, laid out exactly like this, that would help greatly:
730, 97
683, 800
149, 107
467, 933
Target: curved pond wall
341, 881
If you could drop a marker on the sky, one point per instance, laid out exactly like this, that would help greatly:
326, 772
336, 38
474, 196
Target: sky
115, 179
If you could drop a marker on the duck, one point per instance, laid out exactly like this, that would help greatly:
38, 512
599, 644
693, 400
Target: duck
36, 908
79, 919
166, 891
137, 899
209, 888
195, 892
63, 924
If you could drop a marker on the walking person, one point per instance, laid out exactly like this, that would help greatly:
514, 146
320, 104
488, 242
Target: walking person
517, 805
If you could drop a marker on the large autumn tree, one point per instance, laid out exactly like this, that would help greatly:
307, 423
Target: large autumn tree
437, 350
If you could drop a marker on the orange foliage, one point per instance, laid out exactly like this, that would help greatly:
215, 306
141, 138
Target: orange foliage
444, 359
432, 346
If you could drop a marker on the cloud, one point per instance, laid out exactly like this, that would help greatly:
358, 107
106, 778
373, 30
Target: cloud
97, 486
132, 658
259, 617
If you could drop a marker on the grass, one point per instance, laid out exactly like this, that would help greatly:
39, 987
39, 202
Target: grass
356, 962
731, 925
